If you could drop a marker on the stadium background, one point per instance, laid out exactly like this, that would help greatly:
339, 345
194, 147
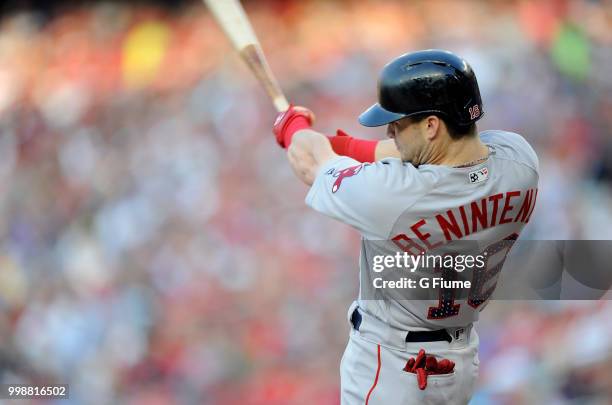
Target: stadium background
154, 244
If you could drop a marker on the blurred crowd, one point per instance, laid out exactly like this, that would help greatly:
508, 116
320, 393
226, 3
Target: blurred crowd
154, 244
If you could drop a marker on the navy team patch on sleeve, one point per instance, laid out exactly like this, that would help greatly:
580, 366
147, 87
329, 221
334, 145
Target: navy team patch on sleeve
340, 175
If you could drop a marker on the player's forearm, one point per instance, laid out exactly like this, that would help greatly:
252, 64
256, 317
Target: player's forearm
362, 150
307, 152
386, 149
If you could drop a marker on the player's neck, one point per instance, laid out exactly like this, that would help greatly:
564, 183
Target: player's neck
460, 152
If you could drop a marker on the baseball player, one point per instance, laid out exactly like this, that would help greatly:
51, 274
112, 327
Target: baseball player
434, 182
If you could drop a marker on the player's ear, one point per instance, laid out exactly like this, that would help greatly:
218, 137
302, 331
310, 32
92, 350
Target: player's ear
431, 125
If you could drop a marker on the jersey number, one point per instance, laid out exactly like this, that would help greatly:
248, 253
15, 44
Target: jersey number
479, 293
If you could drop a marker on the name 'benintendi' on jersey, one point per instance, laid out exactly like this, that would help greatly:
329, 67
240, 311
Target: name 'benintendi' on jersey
420, 209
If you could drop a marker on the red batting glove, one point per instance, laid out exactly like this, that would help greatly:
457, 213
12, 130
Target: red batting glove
431, 364
445, 366
409, 365
424, 366
289, 122
420, 360
421, 378
362, 150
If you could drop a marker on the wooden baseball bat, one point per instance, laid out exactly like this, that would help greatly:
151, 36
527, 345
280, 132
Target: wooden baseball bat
233, 20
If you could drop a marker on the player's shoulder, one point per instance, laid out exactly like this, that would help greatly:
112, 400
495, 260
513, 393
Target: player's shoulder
389, 176
386, 167
367, 196
511, 146
406, 172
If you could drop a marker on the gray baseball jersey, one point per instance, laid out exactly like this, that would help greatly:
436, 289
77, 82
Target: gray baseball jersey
423, 208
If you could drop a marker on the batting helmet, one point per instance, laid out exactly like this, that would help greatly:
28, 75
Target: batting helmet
431, 81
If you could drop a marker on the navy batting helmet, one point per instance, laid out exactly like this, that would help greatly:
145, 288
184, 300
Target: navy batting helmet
431, 81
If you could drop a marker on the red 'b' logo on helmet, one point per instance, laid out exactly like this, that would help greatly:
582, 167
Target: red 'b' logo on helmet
474, 112
343, 174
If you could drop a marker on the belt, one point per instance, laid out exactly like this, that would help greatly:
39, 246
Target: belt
413, 336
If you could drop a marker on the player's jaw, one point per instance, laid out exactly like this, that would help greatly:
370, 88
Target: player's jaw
410, 141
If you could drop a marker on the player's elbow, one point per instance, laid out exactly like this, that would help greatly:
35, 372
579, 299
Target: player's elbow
308, 151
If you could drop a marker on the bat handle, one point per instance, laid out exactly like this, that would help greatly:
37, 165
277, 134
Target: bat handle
255, 59
280, 103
